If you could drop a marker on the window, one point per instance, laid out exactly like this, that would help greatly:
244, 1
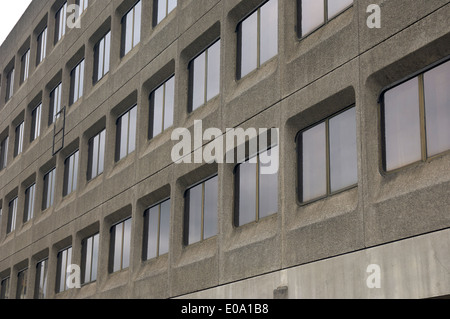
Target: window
4, 153
314, 13
36, 122
76, 82
25, 66
9, 85
162, 108
12, 216
131, 28
161, 9
49, 189
156, 230
70, 173
41, 46
257, 193
120, 246
55, 104
416, 118
201, 211
258, 38
4, 291
40, 291
89, 259
64, 261
126, 134
30, 194
18, 145
60, 22
328, 157
82, 4
21, 292
96, 155
205, 76
102, 51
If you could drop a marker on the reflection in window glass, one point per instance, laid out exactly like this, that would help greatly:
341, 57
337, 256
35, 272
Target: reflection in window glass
18, 147
328, 158
257, 192
249, 45
41, 46
89, 259
4, 152
64, 261
269, 31
337, 6
162, 108
201, 211
71, 173
102, 52
120, 246
126, 134
163, 8
29, 203
21, 292
402, 125
131, 28
205, 76
157, 230
77, 82
40, 291
96, 155
4, 289
437, 108
49, 189
12, 218
55, 104
36, 122
60, 21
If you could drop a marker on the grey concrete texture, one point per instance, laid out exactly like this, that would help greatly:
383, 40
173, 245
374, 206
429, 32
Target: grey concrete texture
341, 64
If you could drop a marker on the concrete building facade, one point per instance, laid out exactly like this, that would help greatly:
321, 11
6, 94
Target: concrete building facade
385, 234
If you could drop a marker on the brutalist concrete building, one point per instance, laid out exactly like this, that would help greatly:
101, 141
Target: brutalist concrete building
93, 97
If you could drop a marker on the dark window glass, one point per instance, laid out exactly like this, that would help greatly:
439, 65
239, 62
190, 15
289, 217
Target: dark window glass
126, 134
30, 194
120, 246
12, 217
102, 52
21, 292
131, 28
55, 104
9, 85
89, 259
60, 22
77, 82
25, 66
40, 291
18, 145
64, 261
96, 155
156, 230
162, 108
71, 173
4, 153
49, 189
41, 46
4, 289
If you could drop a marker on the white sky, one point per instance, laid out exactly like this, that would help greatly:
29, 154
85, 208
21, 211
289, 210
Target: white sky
10, 13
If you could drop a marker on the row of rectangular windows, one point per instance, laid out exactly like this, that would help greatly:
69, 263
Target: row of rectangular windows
327, 164
257, 37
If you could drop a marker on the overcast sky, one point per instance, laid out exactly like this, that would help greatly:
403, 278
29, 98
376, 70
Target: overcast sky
10, 13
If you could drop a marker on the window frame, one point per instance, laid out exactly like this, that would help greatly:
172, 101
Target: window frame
41, 46
186, 217
112, 246
191, 69
236, 174
102, 47
40, 288
60, 22
48, 196
95, 240
60, 274
77, 82
25, 66
127, 113
325, 15
12, 215
123, 24
299, 153
19, 139
71, 168
423, 140
5, 288
22, 284
55, 104
259, 64
10, 84
152, 108
36, 118
30, 203
146, 237
91, 157
4, 148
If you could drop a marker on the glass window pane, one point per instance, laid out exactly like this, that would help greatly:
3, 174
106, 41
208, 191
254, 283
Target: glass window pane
213, 76
132, 128
314, 167
268, 185
210, 209
195, 214
169, 103
118, 233
101, 55
312, 15
95, 152
88, 260
62, 270
269, 31
158, 105
137, 23
126, 243
198, 90
128, 40
107, 50
162, 9
249, 44
171, 4
247, 193
402, 125
101, 152
337, 6
437, 109
123, 123
164, 231
95, 246
343, 151
153, 223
